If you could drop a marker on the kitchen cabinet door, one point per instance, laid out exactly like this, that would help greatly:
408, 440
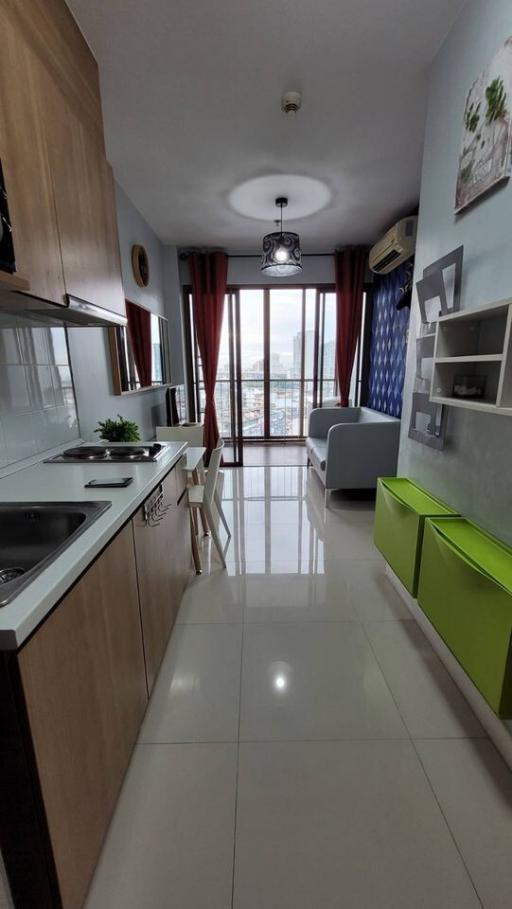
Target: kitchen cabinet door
162, 547
85, 206
83, 679
26, 167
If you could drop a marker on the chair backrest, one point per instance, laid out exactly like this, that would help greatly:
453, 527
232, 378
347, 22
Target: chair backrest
368, 415
191, 434
213, 473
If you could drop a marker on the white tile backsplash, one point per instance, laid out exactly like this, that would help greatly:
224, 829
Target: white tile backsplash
37, 400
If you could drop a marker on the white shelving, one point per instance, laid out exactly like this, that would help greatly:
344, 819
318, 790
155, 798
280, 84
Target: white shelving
475, 342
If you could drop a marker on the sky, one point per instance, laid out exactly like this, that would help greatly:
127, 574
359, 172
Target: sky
285, 323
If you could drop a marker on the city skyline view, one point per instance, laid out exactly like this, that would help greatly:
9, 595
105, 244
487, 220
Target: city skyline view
298, 325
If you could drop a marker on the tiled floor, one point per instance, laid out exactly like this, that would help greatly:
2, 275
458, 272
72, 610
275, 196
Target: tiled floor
276, 455
304, 746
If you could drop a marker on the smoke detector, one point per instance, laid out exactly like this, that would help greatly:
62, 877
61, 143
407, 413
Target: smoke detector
291, 102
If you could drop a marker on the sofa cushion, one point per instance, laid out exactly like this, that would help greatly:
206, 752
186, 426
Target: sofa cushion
317, 452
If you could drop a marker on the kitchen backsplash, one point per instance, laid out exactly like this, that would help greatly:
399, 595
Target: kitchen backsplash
37, 401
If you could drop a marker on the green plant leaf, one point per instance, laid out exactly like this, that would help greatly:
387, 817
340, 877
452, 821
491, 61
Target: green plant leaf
496, 98
119, 430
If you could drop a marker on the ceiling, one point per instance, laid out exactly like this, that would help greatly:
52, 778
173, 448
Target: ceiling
191, 97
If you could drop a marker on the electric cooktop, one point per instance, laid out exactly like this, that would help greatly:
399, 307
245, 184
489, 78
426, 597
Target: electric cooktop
109, 453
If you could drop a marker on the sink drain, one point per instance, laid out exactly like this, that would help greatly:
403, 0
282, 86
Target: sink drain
9, 574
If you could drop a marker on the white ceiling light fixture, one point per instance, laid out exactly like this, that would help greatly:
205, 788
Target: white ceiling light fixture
291, 103
281, 249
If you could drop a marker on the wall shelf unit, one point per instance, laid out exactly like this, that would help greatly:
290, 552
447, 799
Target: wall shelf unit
475, 343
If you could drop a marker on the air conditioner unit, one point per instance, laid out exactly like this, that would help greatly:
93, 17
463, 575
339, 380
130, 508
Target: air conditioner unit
395, 247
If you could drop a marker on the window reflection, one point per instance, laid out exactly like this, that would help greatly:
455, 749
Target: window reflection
140, 365
276, 528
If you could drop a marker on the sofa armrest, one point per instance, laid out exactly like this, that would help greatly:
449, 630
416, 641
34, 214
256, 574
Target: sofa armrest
321, 419
358, 453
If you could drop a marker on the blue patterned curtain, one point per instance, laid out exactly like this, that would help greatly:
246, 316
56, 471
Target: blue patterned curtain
388, 344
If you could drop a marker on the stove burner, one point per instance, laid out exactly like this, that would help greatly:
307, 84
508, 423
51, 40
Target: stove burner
129, 451
86, 453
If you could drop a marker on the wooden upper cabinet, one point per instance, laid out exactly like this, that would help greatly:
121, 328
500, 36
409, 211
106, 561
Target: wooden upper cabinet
84, 685
59, 183
85, 205
25, 163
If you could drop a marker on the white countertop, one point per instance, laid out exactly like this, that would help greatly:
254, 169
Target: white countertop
65, 483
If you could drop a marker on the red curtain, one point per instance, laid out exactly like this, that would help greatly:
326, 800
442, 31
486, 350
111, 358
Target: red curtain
209, 276
350, 274
139, 331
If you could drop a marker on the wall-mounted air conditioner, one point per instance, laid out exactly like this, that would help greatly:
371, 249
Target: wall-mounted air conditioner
397, 245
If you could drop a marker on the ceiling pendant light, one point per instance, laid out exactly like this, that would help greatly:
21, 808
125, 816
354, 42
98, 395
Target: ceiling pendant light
281, 249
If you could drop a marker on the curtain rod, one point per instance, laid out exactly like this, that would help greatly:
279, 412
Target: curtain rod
322, 255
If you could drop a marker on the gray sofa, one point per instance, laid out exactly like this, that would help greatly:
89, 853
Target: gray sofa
349, 447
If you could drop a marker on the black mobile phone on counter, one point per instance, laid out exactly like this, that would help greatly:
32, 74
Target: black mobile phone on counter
112, 483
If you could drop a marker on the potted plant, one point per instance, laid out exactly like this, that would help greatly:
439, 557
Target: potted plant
119, 430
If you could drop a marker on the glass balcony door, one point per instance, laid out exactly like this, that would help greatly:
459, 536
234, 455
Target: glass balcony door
276, 363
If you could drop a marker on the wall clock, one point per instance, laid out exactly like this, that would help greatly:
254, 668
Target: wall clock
140, 265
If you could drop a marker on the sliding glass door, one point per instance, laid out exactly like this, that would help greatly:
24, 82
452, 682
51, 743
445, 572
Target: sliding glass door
277, 361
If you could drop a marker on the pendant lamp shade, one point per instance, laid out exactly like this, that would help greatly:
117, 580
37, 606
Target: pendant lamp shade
281, 250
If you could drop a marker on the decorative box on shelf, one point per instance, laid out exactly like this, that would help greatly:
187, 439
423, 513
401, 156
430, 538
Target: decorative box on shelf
473, 359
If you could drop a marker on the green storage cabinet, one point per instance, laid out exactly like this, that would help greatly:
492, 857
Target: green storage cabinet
400, 514
465, 589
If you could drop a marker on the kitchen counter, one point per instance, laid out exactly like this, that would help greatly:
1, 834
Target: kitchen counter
65, 483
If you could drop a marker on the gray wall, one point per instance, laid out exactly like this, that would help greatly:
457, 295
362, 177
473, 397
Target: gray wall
246, 270
473, 473
173, 308
90, 355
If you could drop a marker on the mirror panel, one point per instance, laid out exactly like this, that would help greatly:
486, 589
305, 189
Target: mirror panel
140, 351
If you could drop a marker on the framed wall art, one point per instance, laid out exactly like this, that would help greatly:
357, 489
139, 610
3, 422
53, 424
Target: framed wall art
485, 156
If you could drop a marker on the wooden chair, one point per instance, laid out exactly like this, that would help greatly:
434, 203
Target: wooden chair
201, 498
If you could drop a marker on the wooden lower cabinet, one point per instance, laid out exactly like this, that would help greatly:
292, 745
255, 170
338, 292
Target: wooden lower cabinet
73, 698
162, 546
83, 680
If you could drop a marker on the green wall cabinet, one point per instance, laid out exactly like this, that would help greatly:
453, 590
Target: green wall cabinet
400, 514
465, 589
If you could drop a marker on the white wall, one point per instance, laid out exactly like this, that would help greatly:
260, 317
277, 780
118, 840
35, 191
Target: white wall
473, 473
37, 405
89, 351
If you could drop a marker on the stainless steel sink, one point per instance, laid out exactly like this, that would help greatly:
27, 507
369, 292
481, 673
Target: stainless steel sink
32, 535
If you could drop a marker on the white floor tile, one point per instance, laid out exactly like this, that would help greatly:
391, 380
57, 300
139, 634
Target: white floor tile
370, 593
170, 845
287, 591
196, 695
350, 538
342, 825
313, 680
474, 788
429, 701
213, 597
